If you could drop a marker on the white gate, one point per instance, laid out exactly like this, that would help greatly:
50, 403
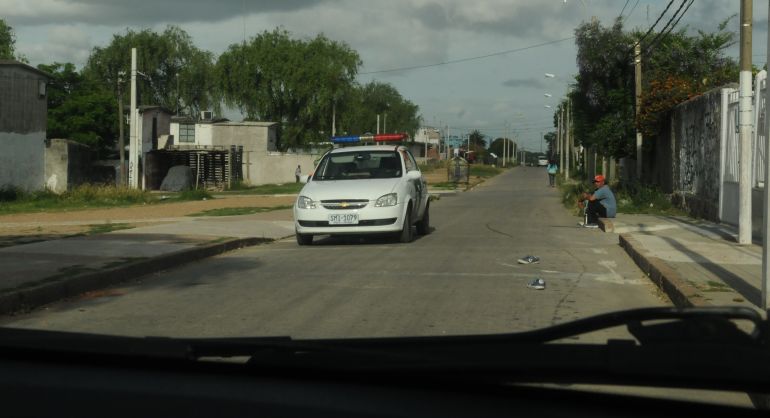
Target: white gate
728, 196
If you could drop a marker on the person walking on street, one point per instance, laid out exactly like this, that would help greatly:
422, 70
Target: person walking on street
600, 204
297, 173
552, 169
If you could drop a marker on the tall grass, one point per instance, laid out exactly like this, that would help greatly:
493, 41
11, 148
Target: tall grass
13, 200
630, 198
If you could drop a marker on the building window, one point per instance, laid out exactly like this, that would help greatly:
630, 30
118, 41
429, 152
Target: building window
186, 132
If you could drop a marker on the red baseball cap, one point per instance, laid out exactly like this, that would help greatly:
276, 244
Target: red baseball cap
599, 178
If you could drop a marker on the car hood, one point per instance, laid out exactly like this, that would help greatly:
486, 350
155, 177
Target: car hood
349, 189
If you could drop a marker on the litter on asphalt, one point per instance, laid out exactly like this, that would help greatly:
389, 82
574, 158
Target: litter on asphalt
528, 259
537, 284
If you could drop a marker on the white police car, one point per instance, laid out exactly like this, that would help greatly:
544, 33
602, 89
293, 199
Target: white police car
368, 189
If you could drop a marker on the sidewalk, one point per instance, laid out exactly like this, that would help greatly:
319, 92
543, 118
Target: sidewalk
694, 262
39, 273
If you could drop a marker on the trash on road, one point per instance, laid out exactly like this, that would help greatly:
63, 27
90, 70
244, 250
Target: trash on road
537, 284
528, 259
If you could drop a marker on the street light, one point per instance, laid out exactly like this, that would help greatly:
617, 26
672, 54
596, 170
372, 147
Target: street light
549, 75
547, 95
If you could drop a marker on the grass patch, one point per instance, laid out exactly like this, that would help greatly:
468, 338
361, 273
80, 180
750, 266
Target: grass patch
265, 189
484, 171
107, 227
630, 198
714, 286
239, 211
634, 198
199, 194
82, 197
444, 185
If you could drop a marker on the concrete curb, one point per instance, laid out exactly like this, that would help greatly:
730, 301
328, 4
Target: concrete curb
681, 293
606, 225
66, 287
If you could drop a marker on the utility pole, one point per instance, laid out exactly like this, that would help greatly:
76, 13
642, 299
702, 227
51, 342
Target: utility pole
561, 138
568, 139
558, 148
746, 122
765, 304
378, 124
121, 141
638, 90
133, 144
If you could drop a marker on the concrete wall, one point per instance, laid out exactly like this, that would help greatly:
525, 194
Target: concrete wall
67, 164
268, 168
696, 150
22, 160
163, 127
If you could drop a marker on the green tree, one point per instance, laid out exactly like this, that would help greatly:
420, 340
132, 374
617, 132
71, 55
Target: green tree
496, 147
550, 139
175, 74
604, 89
79, 108
276, 78
363, 103
677, 66
7, 41
680, 67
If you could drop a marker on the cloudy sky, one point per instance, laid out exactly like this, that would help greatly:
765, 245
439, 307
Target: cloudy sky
494, 52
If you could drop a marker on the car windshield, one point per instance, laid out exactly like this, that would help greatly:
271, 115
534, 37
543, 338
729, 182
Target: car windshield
355, 168
359, 165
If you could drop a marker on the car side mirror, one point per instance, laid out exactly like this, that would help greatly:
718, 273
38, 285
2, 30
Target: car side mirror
413, 175
304, 178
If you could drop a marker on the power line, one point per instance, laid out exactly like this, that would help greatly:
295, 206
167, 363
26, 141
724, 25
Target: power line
632, 10
494, 54
663, 32
623, 9
652, 27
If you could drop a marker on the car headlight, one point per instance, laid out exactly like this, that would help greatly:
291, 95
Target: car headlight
304, 202
389, 199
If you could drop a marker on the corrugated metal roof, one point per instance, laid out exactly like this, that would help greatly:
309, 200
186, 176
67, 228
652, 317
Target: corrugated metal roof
27, 67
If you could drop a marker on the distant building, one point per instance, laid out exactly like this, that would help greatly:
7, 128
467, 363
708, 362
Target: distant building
256, 142
23, 119
428, 135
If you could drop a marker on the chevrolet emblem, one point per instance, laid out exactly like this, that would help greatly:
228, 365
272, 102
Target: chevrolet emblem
344, 204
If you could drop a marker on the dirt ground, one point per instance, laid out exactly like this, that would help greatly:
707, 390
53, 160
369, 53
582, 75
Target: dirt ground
22, 228
30, 227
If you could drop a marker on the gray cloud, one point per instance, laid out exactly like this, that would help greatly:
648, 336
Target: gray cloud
147, 12
532, 83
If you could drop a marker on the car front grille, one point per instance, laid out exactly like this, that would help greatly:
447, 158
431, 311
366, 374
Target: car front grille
345, 204
368, 222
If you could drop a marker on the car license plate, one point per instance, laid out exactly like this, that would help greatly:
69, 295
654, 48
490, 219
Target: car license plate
343, 219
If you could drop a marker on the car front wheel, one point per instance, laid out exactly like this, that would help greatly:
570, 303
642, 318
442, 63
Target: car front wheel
304, 239
423, 226
406, 231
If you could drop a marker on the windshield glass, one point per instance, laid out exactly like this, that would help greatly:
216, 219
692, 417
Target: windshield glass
215, 169
359, 165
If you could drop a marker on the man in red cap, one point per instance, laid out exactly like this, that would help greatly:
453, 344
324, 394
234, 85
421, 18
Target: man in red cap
600, 204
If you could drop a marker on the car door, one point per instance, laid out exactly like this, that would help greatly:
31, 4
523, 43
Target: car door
418, 187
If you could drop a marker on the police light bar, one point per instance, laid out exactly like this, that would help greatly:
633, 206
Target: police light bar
369, 138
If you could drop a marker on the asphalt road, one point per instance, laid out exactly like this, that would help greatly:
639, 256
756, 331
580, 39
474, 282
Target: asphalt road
463, 278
